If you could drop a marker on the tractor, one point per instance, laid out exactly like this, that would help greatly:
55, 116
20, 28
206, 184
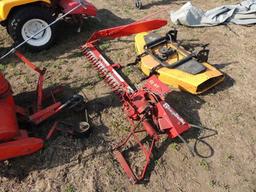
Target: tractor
25, 18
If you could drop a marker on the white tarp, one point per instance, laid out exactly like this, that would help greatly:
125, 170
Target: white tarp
241, 14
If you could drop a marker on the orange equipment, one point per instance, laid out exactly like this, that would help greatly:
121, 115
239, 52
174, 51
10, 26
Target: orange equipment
13, 142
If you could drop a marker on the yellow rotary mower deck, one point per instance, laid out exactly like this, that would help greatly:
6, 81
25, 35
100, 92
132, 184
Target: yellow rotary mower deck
174, 65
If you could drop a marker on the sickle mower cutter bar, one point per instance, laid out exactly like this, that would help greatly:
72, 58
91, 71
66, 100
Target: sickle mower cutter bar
145, 106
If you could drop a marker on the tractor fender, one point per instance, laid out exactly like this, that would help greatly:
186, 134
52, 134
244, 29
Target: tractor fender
7, 5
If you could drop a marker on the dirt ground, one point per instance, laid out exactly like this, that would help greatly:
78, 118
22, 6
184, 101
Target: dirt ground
69, 164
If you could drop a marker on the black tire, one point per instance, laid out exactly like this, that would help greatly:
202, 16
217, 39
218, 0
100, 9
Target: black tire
23, 15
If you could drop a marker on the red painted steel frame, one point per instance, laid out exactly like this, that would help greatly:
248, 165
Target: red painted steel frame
40, 79
40, 114
13, 142
145, 106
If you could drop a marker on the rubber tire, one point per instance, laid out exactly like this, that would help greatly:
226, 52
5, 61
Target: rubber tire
23, 15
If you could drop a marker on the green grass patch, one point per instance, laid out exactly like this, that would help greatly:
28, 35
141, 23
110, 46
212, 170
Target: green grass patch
127, 71
70, 188
2, 67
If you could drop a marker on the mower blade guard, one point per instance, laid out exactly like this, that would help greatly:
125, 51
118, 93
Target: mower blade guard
127, 30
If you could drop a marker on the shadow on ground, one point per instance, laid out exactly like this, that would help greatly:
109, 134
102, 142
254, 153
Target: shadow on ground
185, 104
62, 148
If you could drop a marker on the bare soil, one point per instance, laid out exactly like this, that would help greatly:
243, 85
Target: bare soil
69, 164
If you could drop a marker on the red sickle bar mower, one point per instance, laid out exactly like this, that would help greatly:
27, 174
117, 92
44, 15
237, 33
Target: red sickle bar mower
15, 142
145, 106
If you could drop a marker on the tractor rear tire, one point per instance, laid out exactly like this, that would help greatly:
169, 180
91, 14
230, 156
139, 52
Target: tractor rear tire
27, 21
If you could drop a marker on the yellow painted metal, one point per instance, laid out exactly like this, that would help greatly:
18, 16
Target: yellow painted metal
176, 78
7, 5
